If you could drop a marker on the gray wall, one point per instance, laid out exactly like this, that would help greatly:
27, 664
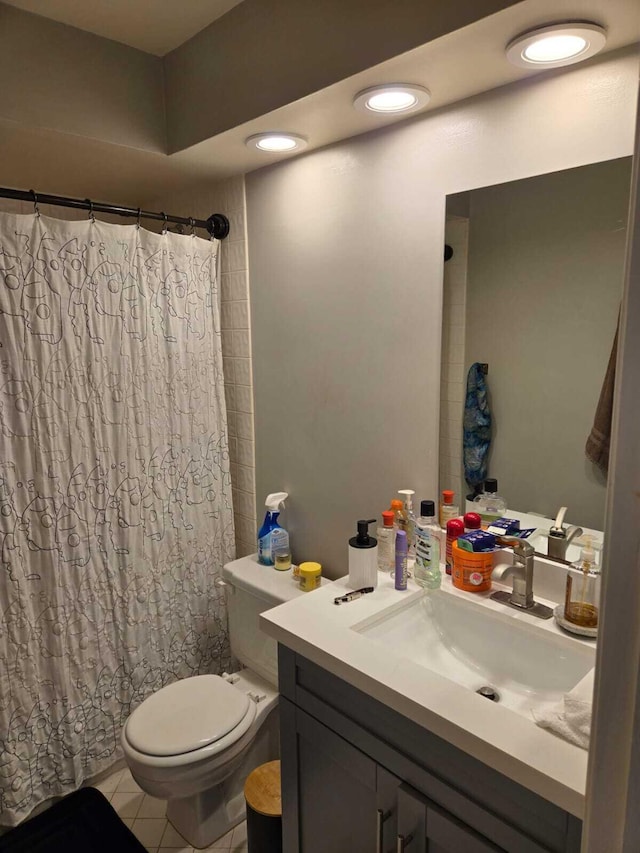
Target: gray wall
346, 263
544, 284
61, 78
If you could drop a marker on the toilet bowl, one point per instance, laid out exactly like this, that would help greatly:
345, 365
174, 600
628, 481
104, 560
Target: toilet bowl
195, 741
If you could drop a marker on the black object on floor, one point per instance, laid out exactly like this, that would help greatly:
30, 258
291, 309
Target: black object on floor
83, 822
263, 796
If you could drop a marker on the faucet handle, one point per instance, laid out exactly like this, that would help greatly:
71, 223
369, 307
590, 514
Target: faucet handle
557, 528
523, 549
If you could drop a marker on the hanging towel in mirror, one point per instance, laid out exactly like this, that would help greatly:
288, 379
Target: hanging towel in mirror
476, 436
599, 440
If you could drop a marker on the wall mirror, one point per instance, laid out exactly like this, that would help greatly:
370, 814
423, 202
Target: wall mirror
533, 291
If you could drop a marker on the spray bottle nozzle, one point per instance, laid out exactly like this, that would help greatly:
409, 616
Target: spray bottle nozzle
275, 500
363, 531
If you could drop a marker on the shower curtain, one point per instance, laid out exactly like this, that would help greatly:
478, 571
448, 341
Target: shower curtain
115, 494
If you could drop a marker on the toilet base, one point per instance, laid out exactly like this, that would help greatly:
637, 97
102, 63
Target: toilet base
207, 816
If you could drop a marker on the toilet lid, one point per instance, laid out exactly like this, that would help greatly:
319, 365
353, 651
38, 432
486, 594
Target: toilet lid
186, 715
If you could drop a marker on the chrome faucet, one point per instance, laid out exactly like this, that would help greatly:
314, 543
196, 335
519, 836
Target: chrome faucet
560, 537
521, 574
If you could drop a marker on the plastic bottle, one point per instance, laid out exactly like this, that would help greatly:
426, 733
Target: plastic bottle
401, 551
399, 515
271, 536
407, 497
399, 523
386, 542
582, 597
489, 504
472, 521
363, 557
448, 509
455, 528
426, 571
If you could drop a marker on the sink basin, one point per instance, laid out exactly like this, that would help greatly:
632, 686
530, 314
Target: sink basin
476, 646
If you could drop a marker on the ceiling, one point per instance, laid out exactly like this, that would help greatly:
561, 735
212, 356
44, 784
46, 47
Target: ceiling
155, 26
456, 66
459, 65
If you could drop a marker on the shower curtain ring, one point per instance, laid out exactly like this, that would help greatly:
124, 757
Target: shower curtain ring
138, 222
36, 208
92, 216
164, 224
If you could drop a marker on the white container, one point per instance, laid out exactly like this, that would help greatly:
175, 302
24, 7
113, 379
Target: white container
363, 566
363, 558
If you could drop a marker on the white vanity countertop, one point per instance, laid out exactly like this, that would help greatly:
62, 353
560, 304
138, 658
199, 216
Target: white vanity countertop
313, 626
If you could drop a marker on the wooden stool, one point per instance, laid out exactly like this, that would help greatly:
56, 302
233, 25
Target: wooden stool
264, 809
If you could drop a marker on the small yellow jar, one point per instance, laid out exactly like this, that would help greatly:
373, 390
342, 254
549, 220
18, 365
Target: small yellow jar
310, 574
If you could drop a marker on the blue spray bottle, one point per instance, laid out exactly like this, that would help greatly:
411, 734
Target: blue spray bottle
271, 535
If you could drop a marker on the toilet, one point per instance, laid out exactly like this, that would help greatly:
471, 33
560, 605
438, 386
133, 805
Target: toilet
196, 740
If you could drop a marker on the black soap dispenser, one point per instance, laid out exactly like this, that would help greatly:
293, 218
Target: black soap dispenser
363, 557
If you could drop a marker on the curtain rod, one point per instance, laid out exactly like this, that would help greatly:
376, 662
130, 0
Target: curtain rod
217, 225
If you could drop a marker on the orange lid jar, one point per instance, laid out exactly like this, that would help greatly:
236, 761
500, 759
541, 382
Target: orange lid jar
471, 571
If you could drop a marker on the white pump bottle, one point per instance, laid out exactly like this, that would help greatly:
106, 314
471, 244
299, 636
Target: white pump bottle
363, 557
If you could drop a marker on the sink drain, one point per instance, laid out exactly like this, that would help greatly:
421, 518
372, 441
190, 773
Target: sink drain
489, 693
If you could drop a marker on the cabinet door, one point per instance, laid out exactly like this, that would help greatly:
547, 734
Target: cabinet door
387, 786
338, 807
425, 828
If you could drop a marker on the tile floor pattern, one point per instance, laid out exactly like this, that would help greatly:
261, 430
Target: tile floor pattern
145, 816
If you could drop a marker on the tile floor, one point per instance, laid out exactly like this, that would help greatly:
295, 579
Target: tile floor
145, 816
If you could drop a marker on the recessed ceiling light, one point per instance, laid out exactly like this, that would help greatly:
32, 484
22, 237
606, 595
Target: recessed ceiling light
276, 143
556, 45
392, 98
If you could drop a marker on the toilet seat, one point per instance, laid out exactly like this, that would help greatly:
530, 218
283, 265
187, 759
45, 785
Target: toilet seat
203, 714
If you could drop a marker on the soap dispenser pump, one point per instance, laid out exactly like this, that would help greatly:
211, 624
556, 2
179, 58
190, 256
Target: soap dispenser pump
582, 597
363, 557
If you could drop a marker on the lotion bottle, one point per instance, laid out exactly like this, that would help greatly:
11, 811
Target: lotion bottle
363, 557
386, 542
407, 497
448, 509
582, 599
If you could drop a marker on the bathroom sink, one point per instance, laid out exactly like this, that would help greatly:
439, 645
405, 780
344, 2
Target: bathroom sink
476, 646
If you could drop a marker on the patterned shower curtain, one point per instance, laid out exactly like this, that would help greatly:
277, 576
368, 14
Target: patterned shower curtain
115, 495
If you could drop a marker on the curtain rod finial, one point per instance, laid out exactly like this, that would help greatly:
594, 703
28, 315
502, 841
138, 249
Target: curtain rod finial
218, 226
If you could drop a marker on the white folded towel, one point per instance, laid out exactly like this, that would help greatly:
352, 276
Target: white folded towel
571, 718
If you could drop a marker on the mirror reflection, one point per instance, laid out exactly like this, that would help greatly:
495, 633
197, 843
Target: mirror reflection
531, 298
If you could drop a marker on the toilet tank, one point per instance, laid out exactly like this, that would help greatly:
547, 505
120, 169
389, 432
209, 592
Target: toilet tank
251, 589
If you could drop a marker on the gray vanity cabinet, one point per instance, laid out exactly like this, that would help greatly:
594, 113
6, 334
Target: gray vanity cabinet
358, 777
347, 802
424, 828
344, 801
